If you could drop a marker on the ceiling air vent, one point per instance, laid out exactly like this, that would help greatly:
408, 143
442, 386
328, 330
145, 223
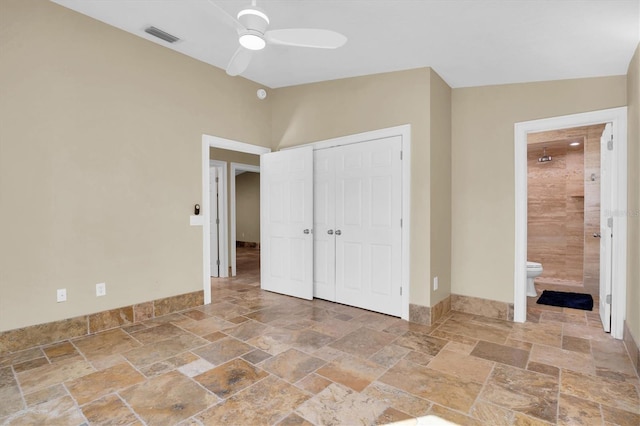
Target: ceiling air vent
161, 34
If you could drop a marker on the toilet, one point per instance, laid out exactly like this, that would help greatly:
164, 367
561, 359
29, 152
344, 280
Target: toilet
534, 270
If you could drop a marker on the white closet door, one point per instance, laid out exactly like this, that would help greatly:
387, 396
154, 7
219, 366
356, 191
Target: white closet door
368, 228
286, 220
324, 243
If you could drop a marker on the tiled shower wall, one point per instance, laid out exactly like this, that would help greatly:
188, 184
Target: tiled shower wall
556, 213
550, 239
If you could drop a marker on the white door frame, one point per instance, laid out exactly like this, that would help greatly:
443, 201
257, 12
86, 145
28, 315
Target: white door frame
232, 195
223, 250
208, 142
618, 117
404, 131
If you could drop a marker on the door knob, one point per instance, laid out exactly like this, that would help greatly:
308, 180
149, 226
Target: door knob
338, 232
596, 235
330, 232
306, 231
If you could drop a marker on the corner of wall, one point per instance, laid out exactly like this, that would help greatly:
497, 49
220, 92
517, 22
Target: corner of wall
440, 193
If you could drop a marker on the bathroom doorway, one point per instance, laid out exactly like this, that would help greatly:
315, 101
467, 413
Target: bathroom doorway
614, 191
563, 208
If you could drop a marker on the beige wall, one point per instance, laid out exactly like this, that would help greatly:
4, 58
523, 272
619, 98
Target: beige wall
342, 107
483, 200
440, 204
633, 196
248, 207
100, 146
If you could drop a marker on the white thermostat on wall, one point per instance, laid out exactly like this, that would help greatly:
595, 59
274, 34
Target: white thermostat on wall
262, 94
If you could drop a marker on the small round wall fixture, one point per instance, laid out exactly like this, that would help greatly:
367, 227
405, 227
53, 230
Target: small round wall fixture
261, 93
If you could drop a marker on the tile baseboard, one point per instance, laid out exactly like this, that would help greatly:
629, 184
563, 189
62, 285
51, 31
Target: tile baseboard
429, 315
482, 307
633, 348
440, 309
51, 332
419, 314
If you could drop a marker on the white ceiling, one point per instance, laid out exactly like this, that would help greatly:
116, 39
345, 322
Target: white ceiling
467, 42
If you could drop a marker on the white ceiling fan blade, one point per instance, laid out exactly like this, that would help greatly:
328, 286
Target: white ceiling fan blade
306, 37
239, 62
226, 18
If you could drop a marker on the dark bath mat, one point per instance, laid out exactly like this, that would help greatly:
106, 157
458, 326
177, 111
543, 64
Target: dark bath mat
566, 300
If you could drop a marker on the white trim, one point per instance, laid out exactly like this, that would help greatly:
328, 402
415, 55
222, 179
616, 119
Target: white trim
232, 197
618, 117
404, 132
222, 214
207, 143
231, 145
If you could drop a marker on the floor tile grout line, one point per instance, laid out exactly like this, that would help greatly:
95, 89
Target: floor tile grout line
222, 401
22, 395
602, 419
486, 380
558, 395
75, 401
126, 403
82, 354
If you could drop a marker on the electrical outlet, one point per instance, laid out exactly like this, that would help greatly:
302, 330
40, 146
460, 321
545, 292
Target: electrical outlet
435, 283
61, 295
101, 289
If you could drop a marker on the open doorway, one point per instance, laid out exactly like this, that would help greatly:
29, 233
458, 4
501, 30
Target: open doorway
563, 215
613, 192
244, 220
227, 151
234, 186
563, 207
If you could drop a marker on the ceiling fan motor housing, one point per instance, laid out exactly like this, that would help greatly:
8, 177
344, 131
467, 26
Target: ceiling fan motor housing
254, 19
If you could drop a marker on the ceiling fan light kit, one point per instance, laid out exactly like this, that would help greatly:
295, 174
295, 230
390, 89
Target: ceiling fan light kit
251, 25
252, 40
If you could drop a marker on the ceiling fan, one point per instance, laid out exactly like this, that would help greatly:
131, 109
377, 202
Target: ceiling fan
251, 25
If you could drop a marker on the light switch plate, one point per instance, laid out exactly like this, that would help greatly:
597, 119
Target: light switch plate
196, 220
101, 289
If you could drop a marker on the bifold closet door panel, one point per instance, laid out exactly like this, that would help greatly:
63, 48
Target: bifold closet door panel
286, 222
368, 237
324, 244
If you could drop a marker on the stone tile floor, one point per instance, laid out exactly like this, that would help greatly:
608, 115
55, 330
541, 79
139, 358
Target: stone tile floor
254, 357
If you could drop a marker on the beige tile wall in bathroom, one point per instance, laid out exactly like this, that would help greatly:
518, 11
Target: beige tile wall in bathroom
564, 206
555, 212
